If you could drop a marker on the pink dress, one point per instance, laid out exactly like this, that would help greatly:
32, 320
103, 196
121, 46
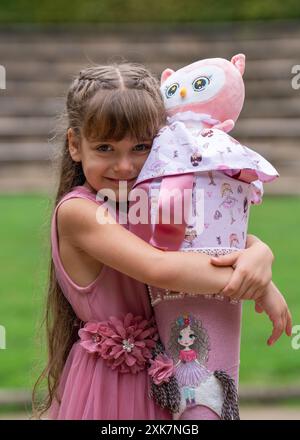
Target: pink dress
89, 387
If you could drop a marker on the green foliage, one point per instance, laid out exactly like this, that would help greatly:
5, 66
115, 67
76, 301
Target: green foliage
124, 11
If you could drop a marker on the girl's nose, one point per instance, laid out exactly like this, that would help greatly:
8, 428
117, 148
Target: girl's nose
183, 92
123, 167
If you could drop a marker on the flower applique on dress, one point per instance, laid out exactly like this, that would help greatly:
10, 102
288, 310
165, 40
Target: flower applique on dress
125, 344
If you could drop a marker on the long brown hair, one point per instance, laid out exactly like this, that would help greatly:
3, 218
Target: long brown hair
103, 102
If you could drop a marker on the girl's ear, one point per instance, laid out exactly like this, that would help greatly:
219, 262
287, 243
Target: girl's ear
239, 62
74, 148
165, 75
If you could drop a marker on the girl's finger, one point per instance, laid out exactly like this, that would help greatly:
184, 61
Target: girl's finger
246, 289
244, 294
233, 287
278, 328
289, 324
258, 294
258, 308
225, 260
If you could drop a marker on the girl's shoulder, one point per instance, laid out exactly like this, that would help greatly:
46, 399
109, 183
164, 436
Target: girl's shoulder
72, 209
74, 201
81, 268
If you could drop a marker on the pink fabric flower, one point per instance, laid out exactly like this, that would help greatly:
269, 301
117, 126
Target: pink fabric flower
162, 369
125, 343
91, 336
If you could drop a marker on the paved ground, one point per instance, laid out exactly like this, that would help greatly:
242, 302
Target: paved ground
247, 413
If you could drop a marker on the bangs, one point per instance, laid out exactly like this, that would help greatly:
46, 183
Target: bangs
113, 114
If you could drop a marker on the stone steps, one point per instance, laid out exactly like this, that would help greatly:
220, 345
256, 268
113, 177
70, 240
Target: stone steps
256, 89
264, 107
42, 126
41, 62
173, 49
61, 70
210, 31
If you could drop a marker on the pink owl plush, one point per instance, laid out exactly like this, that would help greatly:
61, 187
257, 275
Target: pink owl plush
200, 184
210, 92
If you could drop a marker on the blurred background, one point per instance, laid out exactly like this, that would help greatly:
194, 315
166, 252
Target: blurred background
42, 46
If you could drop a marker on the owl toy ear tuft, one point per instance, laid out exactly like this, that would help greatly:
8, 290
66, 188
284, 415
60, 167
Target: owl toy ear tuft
165, 75
239, 62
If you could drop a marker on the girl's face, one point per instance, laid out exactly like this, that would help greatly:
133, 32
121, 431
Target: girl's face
186, 337
106, 163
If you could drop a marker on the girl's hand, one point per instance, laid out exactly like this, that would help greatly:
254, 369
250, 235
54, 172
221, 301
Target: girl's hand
275, 306
253, 270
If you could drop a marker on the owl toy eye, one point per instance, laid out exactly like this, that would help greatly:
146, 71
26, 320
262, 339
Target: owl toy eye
171, 90
200, 83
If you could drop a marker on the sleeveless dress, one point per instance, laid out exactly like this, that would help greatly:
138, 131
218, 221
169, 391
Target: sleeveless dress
94, 383
200, 334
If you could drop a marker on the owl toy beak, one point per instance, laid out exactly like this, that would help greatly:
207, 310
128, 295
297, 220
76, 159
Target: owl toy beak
183, 92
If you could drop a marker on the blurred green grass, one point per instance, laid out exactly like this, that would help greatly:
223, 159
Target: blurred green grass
135, 11
277, 223
24, 256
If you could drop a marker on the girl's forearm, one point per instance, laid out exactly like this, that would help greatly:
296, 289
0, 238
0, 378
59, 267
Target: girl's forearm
191, 272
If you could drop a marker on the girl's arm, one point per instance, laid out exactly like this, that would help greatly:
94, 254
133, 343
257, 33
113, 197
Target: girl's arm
114, 246
275, 306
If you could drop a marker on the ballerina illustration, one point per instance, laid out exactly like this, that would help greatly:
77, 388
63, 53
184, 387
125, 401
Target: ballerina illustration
234, 240
189, 348
229, 201
190, 235
210, 175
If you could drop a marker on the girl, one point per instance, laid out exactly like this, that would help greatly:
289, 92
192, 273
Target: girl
100, 331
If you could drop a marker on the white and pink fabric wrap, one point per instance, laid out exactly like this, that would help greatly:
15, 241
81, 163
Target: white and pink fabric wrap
229, 175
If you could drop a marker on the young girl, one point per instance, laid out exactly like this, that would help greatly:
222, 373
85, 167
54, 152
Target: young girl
100, 329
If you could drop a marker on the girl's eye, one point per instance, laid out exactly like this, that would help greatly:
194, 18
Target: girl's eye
171, 90
200, 83
104, 148
180, 337
192, 336
142, 147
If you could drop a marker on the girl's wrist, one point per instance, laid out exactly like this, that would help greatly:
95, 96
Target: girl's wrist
267, 292
266, 249
252, 240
